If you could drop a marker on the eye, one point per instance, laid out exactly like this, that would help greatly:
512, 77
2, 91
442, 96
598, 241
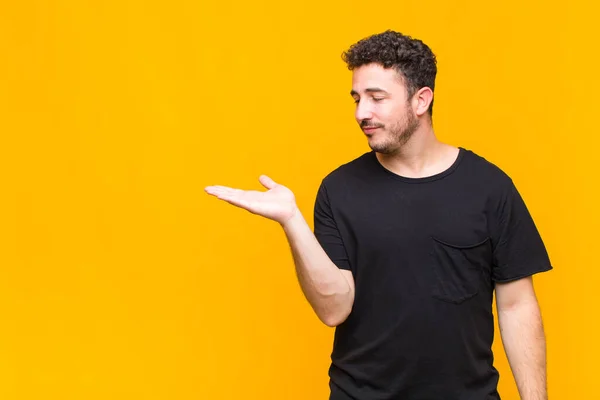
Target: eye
356, 101
377, 98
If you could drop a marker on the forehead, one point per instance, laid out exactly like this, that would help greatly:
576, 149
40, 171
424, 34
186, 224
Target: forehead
375, 75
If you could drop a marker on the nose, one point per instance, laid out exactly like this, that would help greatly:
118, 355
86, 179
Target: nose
363, 111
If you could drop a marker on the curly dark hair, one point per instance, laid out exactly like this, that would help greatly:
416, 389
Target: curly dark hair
411, 58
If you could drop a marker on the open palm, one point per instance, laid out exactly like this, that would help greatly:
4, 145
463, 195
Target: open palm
278, 203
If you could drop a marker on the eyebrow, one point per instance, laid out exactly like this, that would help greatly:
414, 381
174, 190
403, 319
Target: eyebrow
369, 90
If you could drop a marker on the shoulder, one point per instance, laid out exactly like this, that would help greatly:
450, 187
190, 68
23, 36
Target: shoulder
485, 171
491, 181
357, 167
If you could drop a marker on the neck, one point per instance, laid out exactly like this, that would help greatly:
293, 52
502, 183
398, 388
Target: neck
422, 156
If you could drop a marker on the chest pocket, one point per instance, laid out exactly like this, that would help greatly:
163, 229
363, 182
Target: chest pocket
458, 269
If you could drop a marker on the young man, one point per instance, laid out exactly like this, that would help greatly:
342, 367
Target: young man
410, 241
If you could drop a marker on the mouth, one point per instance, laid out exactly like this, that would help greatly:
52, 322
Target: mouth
370, 129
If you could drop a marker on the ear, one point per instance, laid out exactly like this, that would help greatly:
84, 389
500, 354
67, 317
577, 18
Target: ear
421, 100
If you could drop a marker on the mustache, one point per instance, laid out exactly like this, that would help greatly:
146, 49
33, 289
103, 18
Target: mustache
368, 124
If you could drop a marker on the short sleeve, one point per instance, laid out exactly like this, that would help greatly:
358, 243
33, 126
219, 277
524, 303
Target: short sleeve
327, 232
518, 249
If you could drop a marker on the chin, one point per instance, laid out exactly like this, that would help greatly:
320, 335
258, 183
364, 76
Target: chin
380, 147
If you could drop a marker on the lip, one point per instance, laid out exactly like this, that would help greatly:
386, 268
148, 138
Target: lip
370, 129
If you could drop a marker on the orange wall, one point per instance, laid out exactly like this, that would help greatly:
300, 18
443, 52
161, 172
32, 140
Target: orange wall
121, 279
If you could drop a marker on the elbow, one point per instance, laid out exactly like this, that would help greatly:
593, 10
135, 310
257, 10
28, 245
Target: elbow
334, 309
333, 320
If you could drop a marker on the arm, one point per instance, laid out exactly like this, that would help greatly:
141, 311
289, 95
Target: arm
328, 289
523, 338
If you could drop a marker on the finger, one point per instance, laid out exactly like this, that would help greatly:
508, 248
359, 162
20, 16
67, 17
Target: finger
236, 201
214, 187
230, 195
233, 197
267, 182
218, 190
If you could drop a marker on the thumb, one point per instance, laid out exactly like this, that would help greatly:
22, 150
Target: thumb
267, 182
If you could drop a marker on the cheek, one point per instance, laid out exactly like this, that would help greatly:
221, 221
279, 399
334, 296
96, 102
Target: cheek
400, 113
386, 113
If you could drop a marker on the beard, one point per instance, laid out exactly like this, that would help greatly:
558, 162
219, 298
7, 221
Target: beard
398, 134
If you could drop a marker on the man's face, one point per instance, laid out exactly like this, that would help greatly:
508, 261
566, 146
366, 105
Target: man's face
383, 110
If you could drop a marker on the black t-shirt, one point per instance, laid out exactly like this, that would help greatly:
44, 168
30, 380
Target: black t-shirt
425, 254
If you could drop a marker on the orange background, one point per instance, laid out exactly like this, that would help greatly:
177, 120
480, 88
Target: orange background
121, 279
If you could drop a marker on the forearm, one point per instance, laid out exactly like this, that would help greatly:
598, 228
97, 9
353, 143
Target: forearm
322, 282
523, 337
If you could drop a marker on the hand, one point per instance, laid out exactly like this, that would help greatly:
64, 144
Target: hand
278, 203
